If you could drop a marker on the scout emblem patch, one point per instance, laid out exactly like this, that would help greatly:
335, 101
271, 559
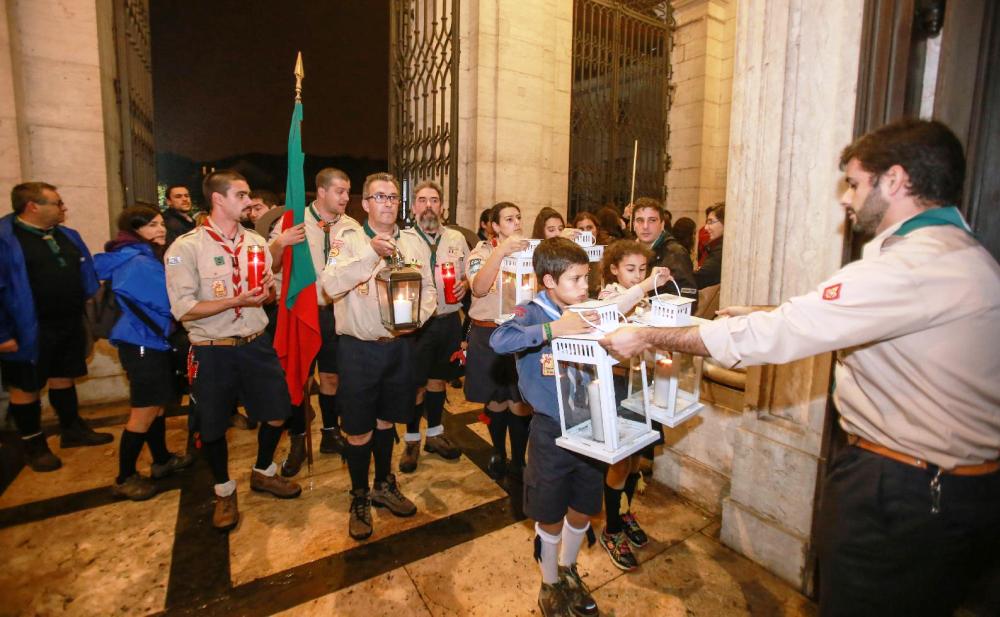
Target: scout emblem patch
220, 260
548, 365
363, 288
475, 265
219, 288
832, 292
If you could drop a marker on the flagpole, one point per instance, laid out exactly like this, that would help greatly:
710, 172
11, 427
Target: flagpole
631, 195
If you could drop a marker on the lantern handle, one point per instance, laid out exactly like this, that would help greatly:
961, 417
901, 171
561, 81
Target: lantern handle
656, 292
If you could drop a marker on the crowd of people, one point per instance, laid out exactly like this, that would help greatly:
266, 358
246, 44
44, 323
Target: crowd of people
182, 288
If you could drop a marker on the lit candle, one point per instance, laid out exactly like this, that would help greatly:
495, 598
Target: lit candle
661, 381
596, 417
402, 310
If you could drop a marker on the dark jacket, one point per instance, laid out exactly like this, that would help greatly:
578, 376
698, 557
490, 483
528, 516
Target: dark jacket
710, 272
18, 319
138, 276
176, 224
667, 251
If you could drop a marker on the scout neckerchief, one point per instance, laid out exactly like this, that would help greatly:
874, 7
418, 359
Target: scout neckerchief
44, 234
371, 234
325, 225
433, 245
542, 300
932, 217
234, 254
659, 240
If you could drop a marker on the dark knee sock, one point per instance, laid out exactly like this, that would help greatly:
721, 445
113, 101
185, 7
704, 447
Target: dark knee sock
27, 417
156, 438
630, 483
296, 423
518, 437
382, 442
65, 403
358, 462
498, 431
413, 426
434, 408
612, 506
267, 442
217, 455
128, 453
328, 408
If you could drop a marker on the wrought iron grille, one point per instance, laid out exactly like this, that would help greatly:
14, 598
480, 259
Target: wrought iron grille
423, 93
621, 93
134, 87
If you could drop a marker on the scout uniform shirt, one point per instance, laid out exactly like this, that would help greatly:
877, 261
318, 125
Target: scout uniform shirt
449, 247
915, 321
200, 268
485, 308
350, 281
321, 238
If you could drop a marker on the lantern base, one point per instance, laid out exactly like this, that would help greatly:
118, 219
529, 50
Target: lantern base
685, 409
632, 437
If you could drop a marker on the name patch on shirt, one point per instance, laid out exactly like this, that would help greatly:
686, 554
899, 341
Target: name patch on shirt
832, 292
173, 261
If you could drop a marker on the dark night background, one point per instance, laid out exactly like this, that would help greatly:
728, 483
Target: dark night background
223, 87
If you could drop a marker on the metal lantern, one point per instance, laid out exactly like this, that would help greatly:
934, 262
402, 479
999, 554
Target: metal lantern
592, 422
666, 387
668, 311
517, 280
398, 286
585, 239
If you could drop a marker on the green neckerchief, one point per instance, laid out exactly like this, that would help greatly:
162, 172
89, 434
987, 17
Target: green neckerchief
433, 246
44, 234
371, 234
932, 217
659, 240
326, 225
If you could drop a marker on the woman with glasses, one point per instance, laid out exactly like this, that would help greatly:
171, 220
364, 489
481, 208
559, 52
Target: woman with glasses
710, 271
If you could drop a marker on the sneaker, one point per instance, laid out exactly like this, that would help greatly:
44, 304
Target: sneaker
408, 462
552, 600
38, 456
79, 434
360, 526
276, 485
226, 514
296, 455
135, 487
440, 445
174, 463
387, 495
578, 595
636, 536
332, 441
619, 550
497, 467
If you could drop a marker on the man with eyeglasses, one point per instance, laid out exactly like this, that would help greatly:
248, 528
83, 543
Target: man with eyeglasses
377, 386
177, 217
46, 276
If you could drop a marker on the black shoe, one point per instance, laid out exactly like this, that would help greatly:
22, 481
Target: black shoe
135, 487
296, 456
38, 456
79, 434
497, 467
578, 595
332, 441
174, 463
636, 536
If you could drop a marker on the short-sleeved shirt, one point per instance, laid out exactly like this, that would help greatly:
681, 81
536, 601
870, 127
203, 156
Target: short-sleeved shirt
316, 230
451, 247
200, 269
350, 282
485, 308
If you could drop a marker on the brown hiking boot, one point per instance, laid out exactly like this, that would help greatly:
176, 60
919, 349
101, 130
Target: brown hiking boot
387, 495
276, 485
135, 487
360, 525
226, 514
440, 445
38, 456
174, 463
296, 455
408, 462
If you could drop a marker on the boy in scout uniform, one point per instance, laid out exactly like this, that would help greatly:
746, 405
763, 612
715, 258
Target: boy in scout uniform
325, 218
441, 336
231, 357
377, 364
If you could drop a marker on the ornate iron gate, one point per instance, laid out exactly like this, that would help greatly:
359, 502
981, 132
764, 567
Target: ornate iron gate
621, 93
134, 89
423, 93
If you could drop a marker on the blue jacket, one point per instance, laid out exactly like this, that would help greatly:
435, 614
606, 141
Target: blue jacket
18, 319
137, 275
522, 335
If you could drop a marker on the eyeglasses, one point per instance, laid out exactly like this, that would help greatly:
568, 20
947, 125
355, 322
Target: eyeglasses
381, 198
43, 202
712, 221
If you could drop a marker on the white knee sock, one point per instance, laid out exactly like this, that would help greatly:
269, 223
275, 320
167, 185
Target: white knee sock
550, 555
572, 539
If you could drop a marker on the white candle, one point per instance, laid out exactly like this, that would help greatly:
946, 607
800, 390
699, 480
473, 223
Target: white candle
402, 311
596, 417
661, 381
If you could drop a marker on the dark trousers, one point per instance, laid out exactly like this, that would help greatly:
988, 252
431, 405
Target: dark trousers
881, 550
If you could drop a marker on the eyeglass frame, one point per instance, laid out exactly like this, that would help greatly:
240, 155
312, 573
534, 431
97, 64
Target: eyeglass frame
381, 198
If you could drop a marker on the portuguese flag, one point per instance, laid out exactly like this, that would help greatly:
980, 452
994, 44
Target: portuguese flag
297, 339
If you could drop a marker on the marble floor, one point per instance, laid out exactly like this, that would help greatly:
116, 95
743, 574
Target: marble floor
69, 548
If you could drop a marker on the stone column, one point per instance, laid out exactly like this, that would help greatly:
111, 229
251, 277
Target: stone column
794, 95
514, 104
10, 148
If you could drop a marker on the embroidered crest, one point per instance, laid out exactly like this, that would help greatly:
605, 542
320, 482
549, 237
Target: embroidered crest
548, 365
832, 292
475, 265
363, 288
219, 288
220, 260
174, 260
519, 311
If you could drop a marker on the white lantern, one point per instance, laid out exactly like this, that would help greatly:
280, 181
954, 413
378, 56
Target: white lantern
517, 280
592, 422
666, 387
585, 239
667, 311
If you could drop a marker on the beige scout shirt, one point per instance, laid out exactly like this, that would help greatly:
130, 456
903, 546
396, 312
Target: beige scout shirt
451, 249
916, 325
350, 282
198, 269
486, 308
314, 237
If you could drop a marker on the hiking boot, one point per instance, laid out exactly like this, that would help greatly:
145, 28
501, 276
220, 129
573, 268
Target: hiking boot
79, 434
386, 495
38, 456
636, 536
174, 463
619, 550
296, 455
135, 487
332, 441
578, 595
408, 462
360, 526
552, 600
497, 467
440, 445
276, 485
226, 514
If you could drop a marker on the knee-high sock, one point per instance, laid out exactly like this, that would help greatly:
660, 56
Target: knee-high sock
413, 426
434, 408
572, 539
217, 455
630, 483
296, 423
498, 431
128, 453
382, 443
328, 409
27, 417
65, 403
267, 442
518, 437
358, 463
612, 508
547, 554
156, 438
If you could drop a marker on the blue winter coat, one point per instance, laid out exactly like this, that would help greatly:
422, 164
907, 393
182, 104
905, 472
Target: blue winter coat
137, 275
18, 319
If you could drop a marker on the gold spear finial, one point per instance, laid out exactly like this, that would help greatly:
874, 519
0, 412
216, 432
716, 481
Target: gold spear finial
300, 72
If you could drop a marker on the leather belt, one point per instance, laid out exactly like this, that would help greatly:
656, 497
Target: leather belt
229, 341
962, 470
484, 324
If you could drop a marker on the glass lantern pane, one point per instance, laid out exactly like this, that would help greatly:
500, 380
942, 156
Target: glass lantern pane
687, 373
382, 288
581, 400
508, 295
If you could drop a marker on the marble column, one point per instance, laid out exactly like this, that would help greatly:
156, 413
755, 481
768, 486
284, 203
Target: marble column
794, 93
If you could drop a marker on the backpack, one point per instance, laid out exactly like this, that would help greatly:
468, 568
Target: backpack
101, 312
